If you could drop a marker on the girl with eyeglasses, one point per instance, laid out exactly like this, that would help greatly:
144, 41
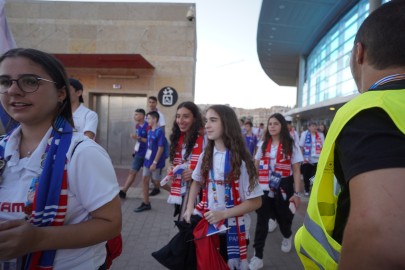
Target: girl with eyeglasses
58, 189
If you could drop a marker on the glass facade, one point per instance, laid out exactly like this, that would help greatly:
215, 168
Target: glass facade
328, 72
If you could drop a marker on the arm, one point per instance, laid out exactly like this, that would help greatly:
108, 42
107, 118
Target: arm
194, 190
157, 158
18, 237
91, 122
241, 209
374, 234
297, 183
90, 134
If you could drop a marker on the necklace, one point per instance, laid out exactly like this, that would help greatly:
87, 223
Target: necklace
30, 150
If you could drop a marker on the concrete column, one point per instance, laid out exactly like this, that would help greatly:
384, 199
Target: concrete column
374, 4
301, 79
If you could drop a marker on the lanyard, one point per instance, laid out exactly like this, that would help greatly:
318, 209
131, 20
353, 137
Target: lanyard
395, 77
227, 170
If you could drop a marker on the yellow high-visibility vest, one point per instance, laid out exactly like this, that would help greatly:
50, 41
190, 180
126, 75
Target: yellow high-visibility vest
313, 241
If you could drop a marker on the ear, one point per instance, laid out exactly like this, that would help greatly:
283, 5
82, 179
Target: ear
62, 93
359, 53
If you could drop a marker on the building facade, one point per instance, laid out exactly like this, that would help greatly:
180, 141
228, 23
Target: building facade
308, 45
121, 52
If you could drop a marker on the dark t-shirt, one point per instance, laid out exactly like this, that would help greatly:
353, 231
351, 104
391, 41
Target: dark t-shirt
369, 141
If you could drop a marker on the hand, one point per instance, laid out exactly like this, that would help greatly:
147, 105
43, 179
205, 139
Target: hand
133, 136
186, 175
296, 200
152, 167
17, 237
187, 215
169, 170
214, 216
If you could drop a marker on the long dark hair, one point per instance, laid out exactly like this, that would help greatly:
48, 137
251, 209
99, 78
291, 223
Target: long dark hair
191, 136
285, 137
54, 69
234, 142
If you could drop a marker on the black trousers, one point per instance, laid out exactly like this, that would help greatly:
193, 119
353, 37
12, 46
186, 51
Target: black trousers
308, 170
277, 207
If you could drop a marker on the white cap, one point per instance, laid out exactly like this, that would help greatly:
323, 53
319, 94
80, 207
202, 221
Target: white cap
288, 118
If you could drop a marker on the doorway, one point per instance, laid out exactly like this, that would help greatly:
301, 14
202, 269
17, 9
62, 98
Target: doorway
116, 123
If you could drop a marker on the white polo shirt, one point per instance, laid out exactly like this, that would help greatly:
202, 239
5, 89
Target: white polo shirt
91, 184
85, 119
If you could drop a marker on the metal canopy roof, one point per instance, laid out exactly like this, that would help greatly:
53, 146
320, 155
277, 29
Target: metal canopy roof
288, 29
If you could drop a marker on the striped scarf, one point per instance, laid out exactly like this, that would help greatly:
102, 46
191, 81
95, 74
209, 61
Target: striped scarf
50, 201
308, 145
236, 234
282, 166
178, 188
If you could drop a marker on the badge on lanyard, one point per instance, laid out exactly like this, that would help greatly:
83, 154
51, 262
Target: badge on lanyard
148, 153
136, 148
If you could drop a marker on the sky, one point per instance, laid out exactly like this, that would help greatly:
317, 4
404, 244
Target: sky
228, 69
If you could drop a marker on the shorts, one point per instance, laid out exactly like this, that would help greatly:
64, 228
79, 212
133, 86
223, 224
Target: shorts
155, 175
137, 163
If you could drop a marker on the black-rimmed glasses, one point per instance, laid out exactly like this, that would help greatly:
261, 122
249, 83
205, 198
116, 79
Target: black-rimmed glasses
28, 83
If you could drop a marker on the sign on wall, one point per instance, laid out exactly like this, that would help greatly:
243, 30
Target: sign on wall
167, 96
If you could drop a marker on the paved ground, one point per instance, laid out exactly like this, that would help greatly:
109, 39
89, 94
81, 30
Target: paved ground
146, 232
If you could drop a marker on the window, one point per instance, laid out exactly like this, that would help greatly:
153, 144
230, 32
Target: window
328, 70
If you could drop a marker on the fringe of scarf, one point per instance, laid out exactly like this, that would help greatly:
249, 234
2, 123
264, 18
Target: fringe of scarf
50, 201
178, 187
282, 166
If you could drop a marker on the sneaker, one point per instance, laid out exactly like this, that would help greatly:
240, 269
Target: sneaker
143, 207
255, 263
154, 192
122, 194
272, 225
286, 244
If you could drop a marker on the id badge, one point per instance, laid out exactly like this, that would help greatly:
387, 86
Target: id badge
148, 153
275, 180
136, 148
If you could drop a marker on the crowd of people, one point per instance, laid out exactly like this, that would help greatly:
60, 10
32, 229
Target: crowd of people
218, 170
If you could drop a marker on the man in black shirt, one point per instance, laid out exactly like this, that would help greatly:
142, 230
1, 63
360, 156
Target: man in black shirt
370, 151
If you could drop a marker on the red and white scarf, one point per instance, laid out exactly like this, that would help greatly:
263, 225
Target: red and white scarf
178, 189
282, 166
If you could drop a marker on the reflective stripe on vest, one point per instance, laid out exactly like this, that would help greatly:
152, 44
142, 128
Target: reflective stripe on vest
313, 242
317, 233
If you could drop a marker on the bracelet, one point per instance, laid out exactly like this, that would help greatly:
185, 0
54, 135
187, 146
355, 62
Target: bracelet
298, 194
154, 162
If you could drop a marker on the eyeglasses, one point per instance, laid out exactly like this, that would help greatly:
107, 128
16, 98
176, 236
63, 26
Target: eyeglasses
28, 83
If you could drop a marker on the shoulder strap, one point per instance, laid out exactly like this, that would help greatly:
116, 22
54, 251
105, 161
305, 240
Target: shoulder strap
74, 149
